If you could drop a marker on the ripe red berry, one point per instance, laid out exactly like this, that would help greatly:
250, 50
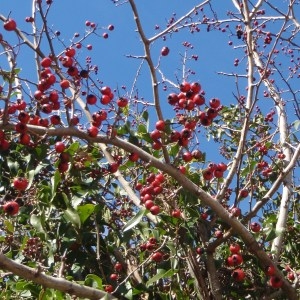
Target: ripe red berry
218, 234
11, 208
275, 282
122, 102
176, 213
91, 99
234, 248
244, 193
238, 275
155, 210
207, 174
133, 157
109, 288
187, 156
160, 125
214, 103
148, 204
155, 135
195, 87
10, 25
20, 183
255, 227
70, 52
157, 256
118, 267
113, 276
93, 131
64, 84
236, 212
60, 147
291, 276
46, 62
270, 270
113, 167
165, 51
185, 87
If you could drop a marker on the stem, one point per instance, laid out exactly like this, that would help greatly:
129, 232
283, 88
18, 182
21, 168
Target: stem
50, 282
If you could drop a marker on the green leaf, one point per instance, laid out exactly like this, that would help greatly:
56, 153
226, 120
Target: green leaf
296, 124
72, 216
161, 273
85, 211
135, 220
9, 226
145, 115
271, 235
54, 182
36, 222
93, 281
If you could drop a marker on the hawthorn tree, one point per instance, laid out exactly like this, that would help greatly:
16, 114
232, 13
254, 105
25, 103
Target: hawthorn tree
160, 190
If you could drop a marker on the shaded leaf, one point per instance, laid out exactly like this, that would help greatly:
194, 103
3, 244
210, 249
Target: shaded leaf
135, 220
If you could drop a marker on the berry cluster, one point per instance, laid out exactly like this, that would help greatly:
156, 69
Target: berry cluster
150, 190
33, 248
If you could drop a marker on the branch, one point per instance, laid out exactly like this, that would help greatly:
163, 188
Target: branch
50, 282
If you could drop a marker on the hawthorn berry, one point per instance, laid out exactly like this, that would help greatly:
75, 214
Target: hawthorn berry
275, 282
60, 147
157, 256
176, 213
11, 208
10, 25
155, 210
165, 51
238, 275
20, 183
255, 227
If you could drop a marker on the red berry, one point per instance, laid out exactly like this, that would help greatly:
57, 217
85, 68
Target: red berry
11, 208
46, 62
214, 103
176, 213
155, 135
93, 131
195, 87
60, 147
255, 227
91, 99
157, 256
275, 282
185, 87
218, 234
238, 275
133, 157
270, 270
237, 259
234, 248
291, 276
70, 52
113, 167
10, 25
109, 288
236, 211
113, 276
207, 174
187, 156
122, 102
244, 193
64, 84
165, 51
118, 267
160, 125
20, 183
149, 204
155, 210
